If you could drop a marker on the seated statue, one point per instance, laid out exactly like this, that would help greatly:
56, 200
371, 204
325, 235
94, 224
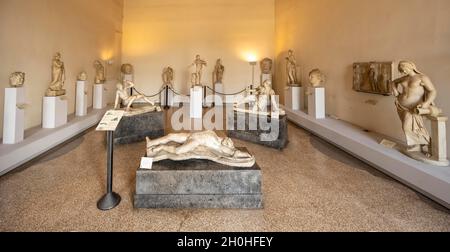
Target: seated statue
122, 96
199, 145
259, 97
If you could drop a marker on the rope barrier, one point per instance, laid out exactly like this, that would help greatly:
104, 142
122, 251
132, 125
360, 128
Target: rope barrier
160, 91
177, 93
215, 92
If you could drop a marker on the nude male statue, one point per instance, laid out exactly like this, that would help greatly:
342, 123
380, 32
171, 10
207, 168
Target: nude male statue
415, 97
197, 76
189, 142
260, 97
127, 100
291, 68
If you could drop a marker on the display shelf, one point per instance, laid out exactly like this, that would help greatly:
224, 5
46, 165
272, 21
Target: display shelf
432, 181
38, 140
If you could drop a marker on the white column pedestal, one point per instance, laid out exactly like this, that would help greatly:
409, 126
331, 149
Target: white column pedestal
99, 95
439, 139
196, 108
265, 77
54, 112
218, 98
294, 97
316, 102
14, 115
81, 99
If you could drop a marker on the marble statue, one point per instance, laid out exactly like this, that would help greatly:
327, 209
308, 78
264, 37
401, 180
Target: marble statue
58, 77
198, 145
260, 97
415, 95
127, 100
82, 76
219, 69
17, 79
126, 69
167, 76
266, 66
373, 77
99, 72
291, 69
197, 75
316, 78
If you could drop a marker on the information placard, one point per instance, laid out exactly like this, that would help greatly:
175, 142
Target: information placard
110, 120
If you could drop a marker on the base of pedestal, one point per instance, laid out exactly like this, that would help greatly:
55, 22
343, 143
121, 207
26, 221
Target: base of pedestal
109, 201
316, 102
99, 96
196, 102
419, 156
14, 115
54, 112
293, 97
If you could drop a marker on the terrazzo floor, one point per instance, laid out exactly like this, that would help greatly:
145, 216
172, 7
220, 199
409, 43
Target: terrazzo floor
309, 186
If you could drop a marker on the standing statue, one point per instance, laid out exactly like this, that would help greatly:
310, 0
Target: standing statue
167, 76
197, 76
316, 78
291, 68
99, 72
415, 97
126, 69
17, 79
198, 145
219, 69
122, 96
58, 77
266, 66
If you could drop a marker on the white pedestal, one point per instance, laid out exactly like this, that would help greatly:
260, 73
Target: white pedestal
169, 98
99, 96
196, 99
265, 77
316, 102
294, 98
218, 98
14, 115
54, 112
81, 99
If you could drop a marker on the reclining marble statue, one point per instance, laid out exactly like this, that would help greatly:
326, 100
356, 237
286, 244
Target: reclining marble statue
198, 145
415, 95
127, 100
58, 77
259, 101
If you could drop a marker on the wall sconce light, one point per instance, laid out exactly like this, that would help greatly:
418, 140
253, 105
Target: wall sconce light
253, 64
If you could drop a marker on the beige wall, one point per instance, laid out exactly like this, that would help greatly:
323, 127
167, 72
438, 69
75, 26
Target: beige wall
160, 33
331, 35
32, 31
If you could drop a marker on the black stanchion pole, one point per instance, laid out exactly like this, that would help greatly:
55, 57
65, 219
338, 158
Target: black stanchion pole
166, 100
204, 96
111, 199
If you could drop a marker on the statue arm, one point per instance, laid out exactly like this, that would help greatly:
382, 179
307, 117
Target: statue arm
431, 92
116, 104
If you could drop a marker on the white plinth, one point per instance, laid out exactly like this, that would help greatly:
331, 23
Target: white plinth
293, 97
14, 117
196, 101
54, 112
218, 98
265, 77
169, 98
81, 99
99, 96
316, 102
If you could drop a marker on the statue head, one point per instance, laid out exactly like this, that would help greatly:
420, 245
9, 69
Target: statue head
57, 56
407, 67
316, 78
82, 76
197, 57
17, 79
119, 86
219, 62
266, 66
126, 69
267, 84
290, 53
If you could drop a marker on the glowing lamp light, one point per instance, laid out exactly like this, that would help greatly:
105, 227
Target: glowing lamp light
251, 58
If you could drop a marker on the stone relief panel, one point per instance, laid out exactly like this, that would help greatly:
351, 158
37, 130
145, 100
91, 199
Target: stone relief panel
373, 77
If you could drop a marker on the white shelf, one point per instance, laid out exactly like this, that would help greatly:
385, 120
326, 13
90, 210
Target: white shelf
38, 140
432, 181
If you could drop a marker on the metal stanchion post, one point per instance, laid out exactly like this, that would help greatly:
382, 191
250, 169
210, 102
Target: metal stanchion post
166, 100
111, 199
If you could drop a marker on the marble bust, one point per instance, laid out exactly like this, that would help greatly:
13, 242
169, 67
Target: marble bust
126, 69
82, 76
58, 77
266, 66
17, 79
198, 145
316, 78
99, 72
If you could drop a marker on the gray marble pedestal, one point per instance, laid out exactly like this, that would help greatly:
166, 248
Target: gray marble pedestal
198, 184
271, 132
135, 128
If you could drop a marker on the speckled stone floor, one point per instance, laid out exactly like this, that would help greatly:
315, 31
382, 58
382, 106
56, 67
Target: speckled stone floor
309, 186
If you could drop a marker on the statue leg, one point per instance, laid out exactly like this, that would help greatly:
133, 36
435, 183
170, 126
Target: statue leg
187, 147
130, 103
177, 138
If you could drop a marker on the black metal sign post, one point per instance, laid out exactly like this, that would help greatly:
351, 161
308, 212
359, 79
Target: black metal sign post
111, 199
166, 100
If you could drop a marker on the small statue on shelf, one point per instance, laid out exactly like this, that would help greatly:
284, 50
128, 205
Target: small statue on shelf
196, 78
219, 69
58, 77
291, 69
99, 72
17, 79
316, 78
167, 76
